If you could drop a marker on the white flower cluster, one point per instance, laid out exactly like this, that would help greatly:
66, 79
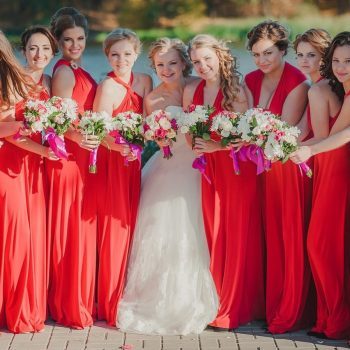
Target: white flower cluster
159, 125
35, 115
96, 123
225, 124
127, 121
197, 114
264, 129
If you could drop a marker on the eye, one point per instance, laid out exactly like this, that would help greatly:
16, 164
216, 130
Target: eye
299, 55
347, 61
255, 54
160, 65
335, 60
267, 53
195, 62
81, 38
311, 55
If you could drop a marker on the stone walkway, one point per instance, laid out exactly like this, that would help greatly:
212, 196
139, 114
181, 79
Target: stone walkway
102, 337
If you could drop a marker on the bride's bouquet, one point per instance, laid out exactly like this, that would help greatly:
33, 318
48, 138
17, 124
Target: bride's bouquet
195, 121
128, 130
160, 126
273, 138
98, 124
60, 114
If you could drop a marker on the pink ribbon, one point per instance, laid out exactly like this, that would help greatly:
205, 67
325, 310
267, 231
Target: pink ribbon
56, 143
93, 161
167, 152
136, 150
305, 169
200, 163
17, 135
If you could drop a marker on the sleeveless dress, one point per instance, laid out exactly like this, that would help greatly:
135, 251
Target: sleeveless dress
288, 275
121, 203
329, 239
169, 288
73, 247
23, 260
232, 211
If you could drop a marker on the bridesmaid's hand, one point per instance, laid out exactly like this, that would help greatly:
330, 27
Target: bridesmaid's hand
202, 146
90, 142
301, 155
49, 154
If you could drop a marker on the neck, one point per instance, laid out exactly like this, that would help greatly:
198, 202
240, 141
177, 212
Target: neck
125, 77
35, 74
175, 86
275, 74
315, 76
77, 61
346, 86
213, 84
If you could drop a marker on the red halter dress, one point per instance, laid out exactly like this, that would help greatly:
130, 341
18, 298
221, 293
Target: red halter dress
232, 216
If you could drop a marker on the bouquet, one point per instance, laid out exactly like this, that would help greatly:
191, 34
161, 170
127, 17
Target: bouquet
195, 121
270, 135
128, 130
225, 125
61, 113
98, 124
160, 126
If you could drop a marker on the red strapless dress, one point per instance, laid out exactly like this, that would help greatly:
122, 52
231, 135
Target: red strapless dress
123, 186
233, 223
288, 275
73, 246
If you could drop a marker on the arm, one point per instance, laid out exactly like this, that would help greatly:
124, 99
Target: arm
295, 104
303, 126
343, 120
8, 128
249, 96
148, 86
63, 82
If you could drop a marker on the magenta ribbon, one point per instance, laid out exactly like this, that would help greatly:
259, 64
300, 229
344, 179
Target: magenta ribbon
136, 150
93, 161
305, 169
56, 143
200, 163
17, 135
167, 152
253, 153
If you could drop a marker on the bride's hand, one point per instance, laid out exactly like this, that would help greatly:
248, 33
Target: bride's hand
203, 146
164, 143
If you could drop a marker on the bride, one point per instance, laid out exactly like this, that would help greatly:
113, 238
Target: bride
169, 288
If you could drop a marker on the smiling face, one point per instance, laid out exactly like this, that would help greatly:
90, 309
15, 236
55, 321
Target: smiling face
72, 43
341, 64
38, 51
205, 62
267, 57
308, 58
122, 56
168, 65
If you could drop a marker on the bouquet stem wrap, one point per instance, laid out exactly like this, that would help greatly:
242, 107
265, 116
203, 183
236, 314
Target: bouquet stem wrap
305, 169
136, 150
56, 143
200, 163
167, 152
93, 161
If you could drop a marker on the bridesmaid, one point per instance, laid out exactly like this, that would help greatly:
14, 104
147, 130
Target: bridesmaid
122, 90
328, 239
73, 248
282, 89
235, 240
22, 240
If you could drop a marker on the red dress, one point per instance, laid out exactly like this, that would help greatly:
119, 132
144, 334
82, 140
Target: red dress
288, 274
23, 260
329, 239
233, 223
121, 203
73, 247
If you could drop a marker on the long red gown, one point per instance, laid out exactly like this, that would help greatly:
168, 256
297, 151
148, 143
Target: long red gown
23, 259
121, 203
73, 244
286, 205
233, 223
328, 241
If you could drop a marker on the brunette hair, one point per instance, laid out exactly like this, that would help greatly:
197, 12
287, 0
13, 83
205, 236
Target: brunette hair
271, 30
229, 75
120, 34
165, 44
317, 38
41, 30
67, 18
341, 39
14, 81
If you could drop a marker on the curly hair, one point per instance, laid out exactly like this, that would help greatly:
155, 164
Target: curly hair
26, 35
165, 44
229, 75
13, 78
341, 39
317, 38
271, 30
67, 18
120, 34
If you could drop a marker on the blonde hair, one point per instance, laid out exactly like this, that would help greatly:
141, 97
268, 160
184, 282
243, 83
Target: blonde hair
14, 81
165, 44
317, 38
229, 75
120, 34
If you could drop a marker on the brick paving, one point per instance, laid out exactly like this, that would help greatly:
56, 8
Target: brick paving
102, 337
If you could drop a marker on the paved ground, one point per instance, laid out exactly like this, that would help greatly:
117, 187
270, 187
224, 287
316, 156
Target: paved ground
103, 337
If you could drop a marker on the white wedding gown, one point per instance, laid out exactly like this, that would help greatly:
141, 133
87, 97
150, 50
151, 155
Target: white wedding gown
169, 288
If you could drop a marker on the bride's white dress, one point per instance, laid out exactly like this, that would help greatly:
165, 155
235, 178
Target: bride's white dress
169, 288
